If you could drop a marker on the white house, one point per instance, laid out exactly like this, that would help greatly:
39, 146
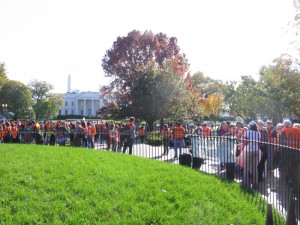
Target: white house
80, 103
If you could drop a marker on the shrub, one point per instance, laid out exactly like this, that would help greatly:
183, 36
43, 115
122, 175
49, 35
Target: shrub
154, 138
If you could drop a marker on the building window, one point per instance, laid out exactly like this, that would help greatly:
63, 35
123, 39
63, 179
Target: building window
66, 103
59, 112
82, 112
72, 103
66, 112
72, 111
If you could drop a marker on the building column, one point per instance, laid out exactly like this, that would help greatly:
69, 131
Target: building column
93, 113
84, 106
76, 106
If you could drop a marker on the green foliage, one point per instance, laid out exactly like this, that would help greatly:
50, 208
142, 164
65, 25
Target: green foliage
17, 96
46, 105
158, 93
154, 138
60, 185
134, 62
243, 99
3, 76
280, 84
40, 89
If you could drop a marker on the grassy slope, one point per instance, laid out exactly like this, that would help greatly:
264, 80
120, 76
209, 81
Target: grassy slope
41, 184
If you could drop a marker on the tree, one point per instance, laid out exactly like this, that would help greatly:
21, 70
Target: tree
18, 98
39, 89
159, 93
48, 109
46, 105
213, 105
3, 76
130, 57
209, 92
243, 100
280, 84
205, 85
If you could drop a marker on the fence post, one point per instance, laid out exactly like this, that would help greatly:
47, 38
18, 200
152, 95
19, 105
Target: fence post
269, 220
291, 216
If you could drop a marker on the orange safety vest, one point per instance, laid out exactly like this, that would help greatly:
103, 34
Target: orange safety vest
206, 131
270, 135
4, 132
89, 130
179, 132
14, 131
142, 132
292, 137
166, 133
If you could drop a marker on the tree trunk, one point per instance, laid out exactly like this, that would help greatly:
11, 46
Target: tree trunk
150, 124
161, 123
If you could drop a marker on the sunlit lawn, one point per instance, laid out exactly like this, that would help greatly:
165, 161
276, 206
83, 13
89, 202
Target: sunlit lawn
64, 185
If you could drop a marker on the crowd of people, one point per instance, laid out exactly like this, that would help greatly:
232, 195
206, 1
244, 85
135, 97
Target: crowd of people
79, 133
254, 147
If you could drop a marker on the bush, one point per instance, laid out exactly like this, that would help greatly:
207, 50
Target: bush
154, 138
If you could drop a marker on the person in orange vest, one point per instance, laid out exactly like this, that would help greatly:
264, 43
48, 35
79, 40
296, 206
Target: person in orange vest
166, 135
91, 132
271, 144
206, 130
142, 133
8, 134
178, 135
14, 132
290, 145
296, 125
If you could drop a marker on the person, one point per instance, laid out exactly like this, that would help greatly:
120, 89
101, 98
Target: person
142, 133
222, 147
166, 135
78, 134
197, 143
14, 132
296, 125
178, 136
271, 144
238, 134
290, 142
251, 151
130, 132
264, 150
206, 130
279, 129
61, 132
47, 132
113, 136
91, 132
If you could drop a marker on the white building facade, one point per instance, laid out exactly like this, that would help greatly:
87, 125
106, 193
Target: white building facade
80, 103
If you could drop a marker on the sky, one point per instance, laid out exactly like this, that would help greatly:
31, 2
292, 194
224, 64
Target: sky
48, 40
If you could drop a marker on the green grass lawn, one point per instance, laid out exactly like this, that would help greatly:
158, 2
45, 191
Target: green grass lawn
64, 185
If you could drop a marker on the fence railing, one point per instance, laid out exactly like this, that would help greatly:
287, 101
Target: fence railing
272, 170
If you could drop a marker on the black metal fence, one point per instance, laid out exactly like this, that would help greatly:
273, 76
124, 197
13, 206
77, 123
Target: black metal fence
273, 170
